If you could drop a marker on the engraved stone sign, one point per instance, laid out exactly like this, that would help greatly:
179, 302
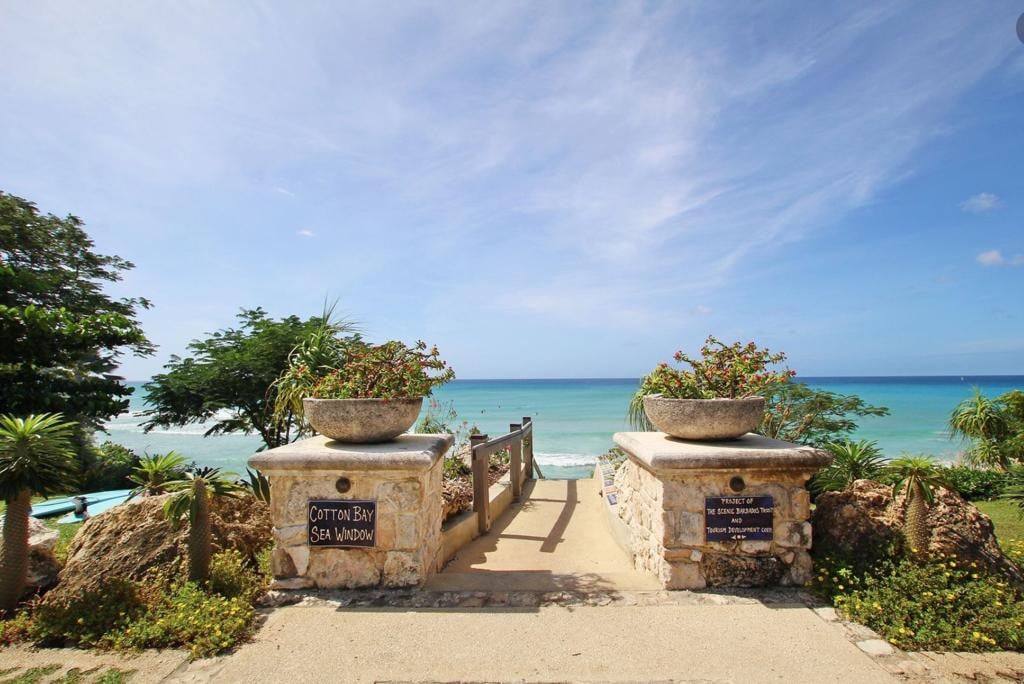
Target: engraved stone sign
345, 523
738, 518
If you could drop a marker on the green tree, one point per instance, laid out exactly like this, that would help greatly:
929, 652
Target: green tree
851, 461
230, 379
192, 496
993, 429
36, 457
917, 476
796, 412
61, 335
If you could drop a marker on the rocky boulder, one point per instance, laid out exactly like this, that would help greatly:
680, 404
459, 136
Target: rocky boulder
126, 541
866, 519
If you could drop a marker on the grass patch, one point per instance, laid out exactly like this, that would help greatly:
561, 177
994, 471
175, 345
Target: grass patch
1006, 518
32, 675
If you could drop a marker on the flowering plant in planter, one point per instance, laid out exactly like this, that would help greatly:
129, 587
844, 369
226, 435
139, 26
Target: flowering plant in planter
387, 371
358, 392
723, 371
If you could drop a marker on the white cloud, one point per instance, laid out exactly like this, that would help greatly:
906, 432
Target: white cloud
994, 257
982, 202
703, 310
283, 191
305, 232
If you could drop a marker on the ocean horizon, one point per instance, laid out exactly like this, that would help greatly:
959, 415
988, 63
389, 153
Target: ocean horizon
575, 418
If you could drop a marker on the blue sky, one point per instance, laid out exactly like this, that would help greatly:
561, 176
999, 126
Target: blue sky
545, 189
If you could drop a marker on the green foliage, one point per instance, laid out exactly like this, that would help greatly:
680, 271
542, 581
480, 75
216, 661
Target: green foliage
33, 675
993, 429
321, 350
386, 371
257, 483
108, 466
723, 371
455, 466
154, 473
60, 335
615, 456
231, 577
16, 629
975, 484
36, 454
441, 418
935, 604
795, 412
161, 611
230, 379
851, 461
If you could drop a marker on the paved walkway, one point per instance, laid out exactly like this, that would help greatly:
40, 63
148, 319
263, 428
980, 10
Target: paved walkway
558, 539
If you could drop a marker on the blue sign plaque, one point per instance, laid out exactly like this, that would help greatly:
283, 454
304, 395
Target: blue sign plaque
738, 518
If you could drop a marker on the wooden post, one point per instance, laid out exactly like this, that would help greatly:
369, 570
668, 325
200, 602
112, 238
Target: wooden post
481, 499
528, 450
515, 462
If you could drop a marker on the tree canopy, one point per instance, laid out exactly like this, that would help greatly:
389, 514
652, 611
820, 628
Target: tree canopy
229, 379
61, 334
798, 413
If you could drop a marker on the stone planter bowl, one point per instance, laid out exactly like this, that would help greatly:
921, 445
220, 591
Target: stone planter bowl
704, 419
362, 421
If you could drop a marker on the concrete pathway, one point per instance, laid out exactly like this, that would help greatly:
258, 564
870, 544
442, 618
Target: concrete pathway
557, 539
725, 643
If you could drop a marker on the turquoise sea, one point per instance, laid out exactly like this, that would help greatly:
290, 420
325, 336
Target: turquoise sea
575, 419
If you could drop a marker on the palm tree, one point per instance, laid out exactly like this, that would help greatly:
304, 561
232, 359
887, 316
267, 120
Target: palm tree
917, 476
192, 495
36, 457
154, 473
851, 461
981, 421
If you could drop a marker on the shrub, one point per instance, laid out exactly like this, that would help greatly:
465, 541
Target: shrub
183, 615
851, 461
109, 466
975, 484
160, 611
84, 619
940, 603
16, 629
231, 577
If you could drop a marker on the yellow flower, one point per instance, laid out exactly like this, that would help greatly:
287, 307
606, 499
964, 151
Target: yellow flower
950, 597
977, 635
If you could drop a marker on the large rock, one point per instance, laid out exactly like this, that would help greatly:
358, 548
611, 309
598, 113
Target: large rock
126, 541
42, 564
865, 520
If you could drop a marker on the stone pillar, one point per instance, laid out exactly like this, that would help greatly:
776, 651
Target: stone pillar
375, 520
672, 495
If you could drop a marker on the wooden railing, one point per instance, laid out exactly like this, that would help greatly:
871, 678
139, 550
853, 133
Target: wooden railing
519, 442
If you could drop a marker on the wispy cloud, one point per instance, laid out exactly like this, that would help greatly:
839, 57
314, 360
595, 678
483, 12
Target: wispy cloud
980, 203
305, 232
283, 191
994, 257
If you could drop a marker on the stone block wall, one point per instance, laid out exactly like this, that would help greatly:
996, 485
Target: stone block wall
665, 514
409, 509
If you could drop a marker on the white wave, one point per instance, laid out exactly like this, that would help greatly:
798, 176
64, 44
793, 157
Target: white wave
558, 459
